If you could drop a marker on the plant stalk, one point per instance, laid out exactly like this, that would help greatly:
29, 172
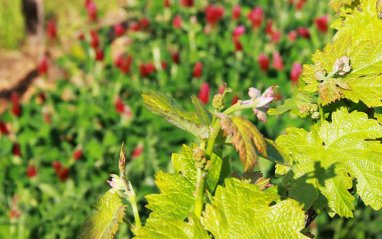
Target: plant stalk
236, 107
201, 174
133, 202
200, 187
131, 197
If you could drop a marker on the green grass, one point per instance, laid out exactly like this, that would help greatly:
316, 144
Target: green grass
12, 30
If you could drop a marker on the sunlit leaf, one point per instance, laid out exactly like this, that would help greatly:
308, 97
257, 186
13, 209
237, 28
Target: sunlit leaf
175, 190
327, 159
105, 222
254, 177
362, 22
293, 104
363, 82
179, 188
243, 210
336, 4
185, 165
171, 229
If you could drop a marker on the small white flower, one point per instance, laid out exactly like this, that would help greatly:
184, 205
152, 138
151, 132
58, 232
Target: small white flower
260, 102
116, 182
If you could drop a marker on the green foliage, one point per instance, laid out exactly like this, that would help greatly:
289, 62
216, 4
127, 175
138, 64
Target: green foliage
105, 222
178, 189
328, 159
294, 104
193, 122
336, 4
12, 28
185, 166
362, 22
172, 228
254, 177
79, 111
242, 210
175, 190
323, 169
362, 83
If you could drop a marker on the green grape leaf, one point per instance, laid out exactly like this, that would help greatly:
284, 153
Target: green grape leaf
201, 111
329, 91
254, 177
185, 165
324, 62
178, 189
366, 59
367, 89
194, 122
362, 22
105, 222
242, 210
363, 82
336, 4
245, 137
172, 228
294, 104
175, 190
275, 153
327, 159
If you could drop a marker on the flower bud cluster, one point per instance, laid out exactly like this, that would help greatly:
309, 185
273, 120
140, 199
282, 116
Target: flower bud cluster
310, 109
218, 102
200, 159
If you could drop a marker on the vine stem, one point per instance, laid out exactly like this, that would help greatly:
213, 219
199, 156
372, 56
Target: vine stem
131, 197
129, 190
238, 106
201, 174
200, 186
133, 201
321, 113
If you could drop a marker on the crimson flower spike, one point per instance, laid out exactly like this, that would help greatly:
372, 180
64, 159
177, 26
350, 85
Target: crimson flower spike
119, 30
236, 12
277, 61
3, 128
256, 16
31, 171
177, 22
263, 62
43, 66
295, 72
51, 30
204, 93
322, 23
16, 107
303, 32
198, 68
92, 11
214, 15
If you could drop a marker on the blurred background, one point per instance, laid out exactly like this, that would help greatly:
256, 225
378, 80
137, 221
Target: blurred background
71, 77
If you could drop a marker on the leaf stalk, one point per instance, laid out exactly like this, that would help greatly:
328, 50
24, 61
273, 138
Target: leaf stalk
202, 174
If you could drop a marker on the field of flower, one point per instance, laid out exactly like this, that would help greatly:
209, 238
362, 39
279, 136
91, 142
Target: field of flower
58, 146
